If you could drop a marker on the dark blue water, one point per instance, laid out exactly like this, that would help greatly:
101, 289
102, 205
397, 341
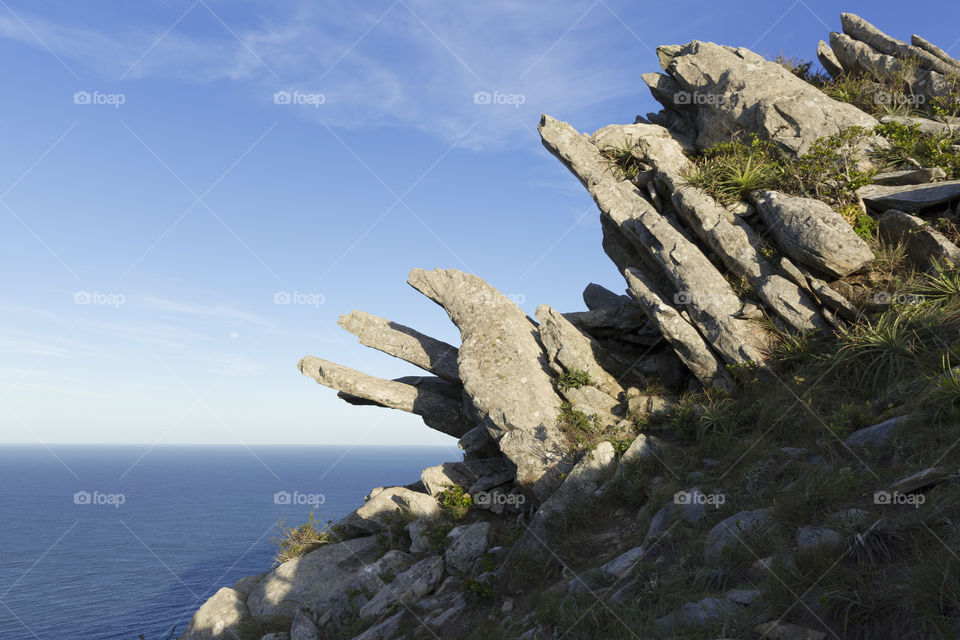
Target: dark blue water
192, 519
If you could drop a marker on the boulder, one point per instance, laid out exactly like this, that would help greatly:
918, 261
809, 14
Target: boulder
910, 176
415, 582
620, 566
743, 597
876, 436
737, 91
596, 296
651, 405
569, 349
919, 480
317, 581
909, 198
475, 475
726, 534
418, 530
686, 341
469, 543
438, 411
504, 372
925, 125
244, 586
810, 232
923, 243
219, 618
828, 59
435, 356
593, 402
381, 509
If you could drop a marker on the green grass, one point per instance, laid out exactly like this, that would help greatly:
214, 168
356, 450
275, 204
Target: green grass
909, 147
294, 542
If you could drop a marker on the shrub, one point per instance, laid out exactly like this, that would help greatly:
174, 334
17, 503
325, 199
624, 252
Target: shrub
573, 379
300, 540
622, 162
910, 146
731, 170
455, 503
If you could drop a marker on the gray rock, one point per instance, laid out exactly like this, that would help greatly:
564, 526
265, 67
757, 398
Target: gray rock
919, 480
909, 198
475, 475
858, 28
876, 436
679, 259
923, 243
317, 581
385, 630
467, 546
739, 91
696, 613
686, 341
438, 411
569, 349
379, 511
218, 618
444, 476
244, 586
812, 538
743, 597
831, 299
391, 563
277, 635
304, 627
925, 125
592, 401
726, 534
828, 59
728, 236
858, 57
417, 530
477, 440
435, 356
624, 563
910, 176
917, 41
596, 296
810, 232
415, 582
503, 369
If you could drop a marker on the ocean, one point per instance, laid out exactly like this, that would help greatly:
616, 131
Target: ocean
110, 542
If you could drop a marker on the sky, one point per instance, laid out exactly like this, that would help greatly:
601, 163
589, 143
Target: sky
193, 191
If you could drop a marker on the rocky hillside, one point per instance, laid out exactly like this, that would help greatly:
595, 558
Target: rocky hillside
758, 441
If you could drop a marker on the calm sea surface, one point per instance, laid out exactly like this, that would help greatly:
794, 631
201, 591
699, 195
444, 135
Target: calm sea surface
110, 542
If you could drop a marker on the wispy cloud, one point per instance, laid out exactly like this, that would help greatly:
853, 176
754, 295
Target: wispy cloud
213, 311
410, 63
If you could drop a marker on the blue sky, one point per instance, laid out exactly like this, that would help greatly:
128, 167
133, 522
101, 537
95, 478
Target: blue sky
181, 199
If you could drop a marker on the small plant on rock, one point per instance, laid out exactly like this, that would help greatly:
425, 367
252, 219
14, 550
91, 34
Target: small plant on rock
573, 379
455, 503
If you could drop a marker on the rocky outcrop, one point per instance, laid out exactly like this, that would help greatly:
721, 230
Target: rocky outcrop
504, 372
736, 90
382, 506
435, 356
438, 411
909, 198
569, 349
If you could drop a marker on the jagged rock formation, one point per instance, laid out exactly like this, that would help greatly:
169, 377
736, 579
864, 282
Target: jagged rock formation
705, 281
